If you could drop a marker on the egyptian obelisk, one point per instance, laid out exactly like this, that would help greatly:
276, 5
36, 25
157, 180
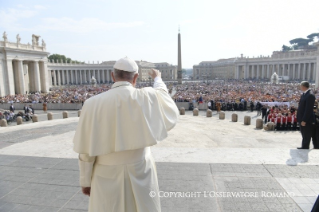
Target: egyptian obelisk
179, 66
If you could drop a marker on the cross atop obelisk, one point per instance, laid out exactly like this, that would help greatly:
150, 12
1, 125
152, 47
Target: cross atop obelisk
179, 62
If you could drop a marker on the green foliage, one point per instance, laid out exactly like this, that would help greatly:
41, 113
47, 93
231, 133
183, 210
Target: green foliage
286, 48
313, 35
300, 41
62, 58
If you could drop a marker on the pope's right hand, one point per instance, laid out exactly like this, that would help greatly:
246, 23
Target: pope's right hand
154, 73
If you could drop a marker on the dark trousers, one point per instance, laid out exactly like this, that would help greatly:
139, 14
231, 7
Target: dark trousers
314, 134
265, 116
278, 126
306, 133
294, 126
316, 142
288, 125
284, 127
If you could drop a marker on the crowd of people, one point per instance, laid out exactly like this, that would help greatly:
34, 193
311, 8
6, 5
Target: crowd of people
68, 94
11, 116
71, 94
236, 91
229, 95
275, 103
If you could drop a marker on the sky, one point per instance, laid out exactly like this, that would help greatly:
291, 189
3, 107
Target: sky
102, 30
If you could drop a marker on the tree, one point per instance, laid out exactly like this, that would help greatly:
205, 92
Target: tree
286, 48
63, 58
300, 42
313, 35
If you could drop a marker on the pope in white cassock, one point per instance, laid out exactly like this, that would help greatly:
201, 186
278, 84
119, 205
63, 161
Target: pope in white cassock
113, 139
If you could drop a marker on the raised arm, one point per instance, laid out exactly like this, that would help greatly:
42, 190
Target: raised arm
168, 107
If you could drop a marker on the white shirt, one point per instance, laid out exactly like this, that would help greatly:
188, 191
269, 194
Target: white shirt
306, 91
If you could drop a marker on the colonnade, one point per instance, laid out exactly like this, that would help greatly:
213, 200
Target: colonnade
24, 76
295, 71
78, 77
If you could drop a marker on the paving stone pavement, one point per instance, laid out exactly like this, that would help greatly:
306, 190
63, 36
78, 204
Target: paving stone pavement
51, 184
220, 169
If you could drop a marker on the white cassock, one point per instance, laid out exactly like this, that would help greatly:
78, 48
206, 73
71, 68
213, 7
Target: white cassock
113, 139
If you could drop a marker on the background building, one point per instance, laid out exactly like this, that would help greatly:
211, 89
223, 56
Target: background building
25, 68
291, 65
169, 71
220, 69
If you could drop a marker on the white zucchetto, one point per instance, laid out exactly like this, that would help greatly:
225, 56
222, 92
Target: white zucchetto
126, 64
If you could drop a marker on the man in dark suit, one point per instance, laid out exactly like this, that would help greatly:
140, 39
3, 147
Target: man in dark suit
264, 113
12, 108
25, 108
305, 115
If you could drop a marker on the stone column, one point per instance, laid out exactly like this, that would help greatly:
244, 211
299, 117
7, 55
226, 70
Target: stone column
246, 71
37, 83
252, 71
76, 75
44, 77
314, 72
54, 77
309, 72
10, 79
2, 79
71, 76
63, 77
103, 76
68, 76
293, 71
26, 77
107, 75
258, 71
298, 71
21, 85
284, 70
304, 71
59, 78
80, 76
316, 67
